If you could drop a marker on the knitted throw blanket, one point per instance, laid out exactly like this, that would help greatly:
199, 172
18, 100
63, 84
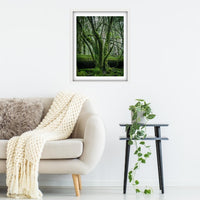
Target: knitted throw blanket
24, 152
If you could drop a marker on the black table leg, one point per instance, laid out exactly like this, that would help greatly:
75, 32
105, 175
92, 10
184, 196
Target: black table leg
159, 158
127, 153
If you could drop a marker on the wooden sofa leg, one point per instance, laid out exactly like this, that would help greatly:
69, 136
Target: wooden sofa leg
76, 184
79, 181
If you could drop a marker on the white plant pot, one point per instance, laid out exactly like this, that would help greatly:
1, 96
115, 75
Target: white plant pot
139, 115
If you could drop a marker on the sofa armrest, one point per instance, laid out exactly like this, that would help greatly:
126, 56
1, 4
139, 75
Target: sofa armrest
94, 141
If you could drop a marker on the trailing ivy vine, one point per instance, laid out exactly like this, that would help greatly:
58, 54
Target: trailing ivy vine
137, 132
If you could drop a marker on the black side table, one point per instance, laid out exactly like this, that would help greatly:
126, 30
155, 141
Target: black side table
158, 139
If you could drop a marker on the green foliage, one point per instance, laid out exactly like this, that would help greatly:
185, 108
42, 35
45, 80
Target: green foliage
87, 65
136, 182
130, 142
112, 71
130, 176
100, 37
147, 191
142, 143
84, 57
137, 190
138, 133
82, 73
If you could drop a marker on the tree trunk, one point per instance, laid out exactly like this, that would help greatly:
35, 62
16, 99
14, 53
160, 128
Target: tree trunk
100, 52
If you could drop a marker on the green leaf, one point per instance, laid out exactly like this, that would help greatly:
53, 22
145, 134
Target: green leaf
139, 99
151, 116
146, 155
139, 154
142, 143
147, 191
132, 108
134, 117
135, 167
137, 191
140, 133
136, 182
136, 137
130, 176
147, 110
132, 130
143, 161
136, 152
136, 126
130, 142
137, 104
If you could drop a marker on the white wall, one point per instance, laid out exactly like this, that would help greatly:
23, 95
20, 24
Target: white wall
164, 68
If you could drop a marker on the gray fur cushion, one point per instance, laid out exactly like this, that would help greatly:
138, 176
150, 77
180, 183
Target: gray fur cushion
18, 116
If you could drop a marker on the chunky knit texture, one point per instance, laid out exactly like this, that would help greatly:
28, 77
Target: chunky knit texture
24, 152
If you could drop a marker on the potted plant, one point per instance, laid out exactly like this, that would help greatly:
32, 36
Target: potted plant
141, 113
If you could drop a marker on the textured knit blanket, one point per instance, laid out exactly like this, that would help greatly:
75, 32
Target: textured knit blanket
24, 152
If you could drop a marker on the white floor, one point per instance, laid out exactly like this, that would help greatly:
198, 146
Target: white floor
114, 193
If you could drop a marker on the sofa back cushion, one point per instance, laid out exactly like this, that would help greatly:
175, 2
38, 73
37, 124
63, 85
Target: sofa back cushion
78, 131
18, 116
86, 111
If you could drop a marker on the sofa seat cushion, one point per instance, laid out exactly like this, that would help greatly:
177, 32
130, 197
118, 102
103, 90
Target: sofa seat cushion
60, 149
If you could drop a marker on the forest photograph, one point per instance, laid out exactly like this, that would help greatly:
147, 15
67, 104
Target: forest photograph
100, 46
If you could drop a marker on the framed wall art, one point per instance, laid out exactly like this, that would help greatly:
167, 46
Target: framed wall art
100, 45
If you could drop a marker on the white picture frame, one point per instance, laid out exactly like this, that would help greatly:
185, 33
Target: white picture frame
105, 77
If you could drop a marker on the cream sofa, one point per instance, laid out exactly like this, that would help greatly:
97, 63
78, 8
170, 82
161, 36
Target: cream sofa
77, 155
